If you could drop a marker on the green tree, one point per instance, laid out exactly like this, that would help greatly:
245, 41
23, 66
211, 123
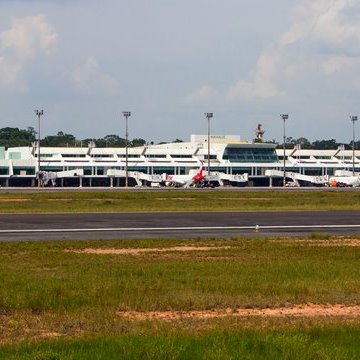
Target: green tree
357, 145
114, 141
304, 143
59, 140
138, 142
325, 144
12, 137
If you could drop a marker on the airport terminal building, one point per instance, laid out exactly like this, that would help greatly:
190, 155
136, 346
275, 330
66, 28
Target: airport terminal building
229, 156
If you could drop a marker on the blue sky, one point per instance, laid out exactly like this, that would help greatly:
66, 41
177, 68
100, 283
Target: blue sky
170, 61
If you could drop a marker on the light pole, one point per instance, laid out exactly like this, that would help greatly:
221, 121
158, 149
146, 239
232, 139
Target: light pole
353, 119
284, 117
39, 113
126, 114
208, 116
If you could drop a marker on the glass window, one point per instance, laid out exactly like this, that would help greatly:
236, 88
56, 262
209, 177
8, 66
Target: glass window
25, 170
181, 156
73, 155
158, 156
4, 170
250, 155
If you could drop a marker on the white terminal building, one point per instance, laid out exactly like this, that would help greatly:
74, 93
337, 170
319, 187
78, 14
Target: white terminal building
230, 158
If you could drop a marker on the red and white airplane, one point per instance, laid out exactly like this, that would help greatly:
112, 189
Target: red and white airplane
185, 181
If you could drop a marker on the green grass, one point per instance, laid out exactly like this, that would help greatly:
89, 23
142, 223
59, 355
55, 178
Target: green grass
173, 200
42, 277
333, 342
47, 290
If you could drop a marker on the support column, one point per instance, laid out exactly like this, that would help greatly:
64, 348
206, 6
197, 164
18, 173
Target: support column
80, 181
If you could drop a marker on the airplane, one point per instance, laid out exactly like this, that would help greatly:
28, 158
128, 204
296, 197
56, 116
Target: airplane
197, 180
344, 181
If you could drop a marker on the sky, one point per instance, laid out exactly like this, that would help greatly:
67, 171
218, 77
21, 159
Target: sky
169, 62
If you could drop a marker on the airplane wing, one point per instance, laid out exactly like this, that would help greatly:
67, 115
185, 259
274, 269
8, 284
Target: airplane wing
188, 183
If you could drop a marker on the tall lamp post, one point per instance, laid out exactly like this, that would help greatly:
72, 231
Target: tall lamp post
284, 117
208, 115
353, 119
126, 114
39, 113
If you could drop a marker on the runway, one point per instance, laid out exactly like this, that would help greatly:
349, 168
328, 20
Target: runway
90, 226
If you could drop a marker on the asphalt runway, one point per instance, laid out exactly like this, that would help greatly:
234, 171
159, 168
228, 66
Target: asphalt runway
91, 226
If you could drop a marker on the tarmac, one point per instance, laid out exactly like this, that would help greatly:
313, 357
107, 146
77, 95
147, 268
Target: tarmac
175, 225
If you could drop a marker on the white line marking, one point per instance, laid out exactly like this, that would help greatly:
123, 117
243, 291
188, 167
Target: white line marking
190, 228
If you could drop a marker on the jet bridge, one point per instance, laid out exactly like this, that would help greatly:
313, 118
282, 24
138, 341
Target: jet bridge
296, 177
49, 177
139, 177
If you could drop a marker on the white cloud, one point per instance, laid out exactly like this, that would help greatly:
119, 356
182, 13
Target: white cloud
201, 94
89, 80
335, 64
26, 38
323, 37
9, 76
264, 80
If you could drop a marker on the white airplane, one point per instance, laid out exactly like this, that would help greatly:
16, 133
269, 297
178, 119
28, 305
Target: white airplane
344, 181
197, 179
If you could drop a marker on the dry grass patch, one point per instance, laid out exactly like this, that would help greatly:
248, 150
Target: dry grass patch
7, 200
43, 334
176, 199
247, 198
337, 242
82, 199
139, 251
304, 310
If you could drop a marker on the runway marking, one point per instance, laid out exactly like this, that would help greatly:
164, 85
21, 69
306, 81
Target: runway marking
185, 228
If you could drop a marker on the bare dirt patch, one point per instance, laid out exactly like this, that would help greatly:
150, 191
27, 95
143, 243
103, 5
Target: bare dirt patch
322, 243
217, 198
140, 251
305, 310
82, 199
177, 198
14, 200
247, 199
48, 334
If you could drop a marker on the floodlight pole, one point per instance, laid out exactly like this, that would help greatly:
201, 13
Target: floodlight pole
126, 114
39, 113
284, 117
353, 119
208, 116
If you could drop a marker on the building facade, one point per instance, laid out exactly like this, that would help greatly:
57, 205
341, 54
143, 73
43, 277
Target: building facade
92, 166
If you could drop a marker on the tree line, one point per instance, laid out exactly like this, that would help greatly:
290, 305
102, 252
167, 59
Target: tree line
13, 137
304, 143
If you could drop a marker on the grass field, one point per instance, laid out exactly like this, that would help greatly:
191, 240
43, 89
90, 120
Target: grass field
200, 200
77, 300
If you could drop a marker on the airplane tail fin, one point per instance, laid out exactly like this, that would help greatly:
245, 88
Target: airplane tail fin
199, 175
201, 168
